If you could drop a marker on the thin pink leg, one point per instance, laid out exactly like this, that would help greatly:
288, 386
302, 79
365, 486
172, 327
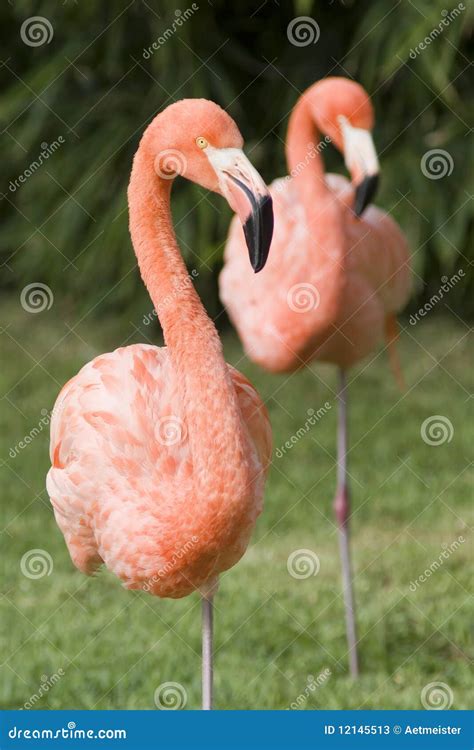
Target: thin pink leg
207, 655
342, 508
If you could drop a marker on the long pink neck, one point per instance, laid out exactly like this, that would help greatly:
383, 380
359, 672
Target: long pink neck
326, 237
214, 424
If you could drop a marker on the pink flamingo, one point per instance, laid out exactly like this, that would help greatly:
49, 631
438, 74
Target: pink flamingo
159, 455
334, 281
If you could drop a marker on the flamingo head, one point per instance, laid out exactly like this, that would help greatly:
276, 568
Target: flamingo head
200, 141
346, 115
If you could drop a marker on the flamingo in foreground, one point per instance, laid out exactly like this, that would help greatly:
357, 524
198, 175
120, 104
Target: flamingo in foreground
335, 281
159, 454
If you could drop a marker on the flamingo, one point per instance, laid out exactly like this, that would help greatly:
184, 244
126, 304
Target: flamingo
335, 280
159, 454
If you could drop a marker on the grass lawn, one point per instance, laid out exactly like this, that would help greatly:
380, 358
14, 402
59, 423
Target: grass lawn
104, 647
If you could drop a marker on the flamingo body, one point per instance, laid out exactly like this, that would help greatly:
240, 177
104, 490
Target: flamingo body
159, 455
270, 318
122, 482
335, 280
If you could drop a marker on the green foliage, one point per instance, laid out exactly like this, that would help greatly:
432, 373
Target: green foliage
93, 85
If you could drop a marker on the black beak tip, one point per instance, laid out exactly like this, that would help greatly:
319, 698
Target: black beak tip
257, 266
364, 193
258, 230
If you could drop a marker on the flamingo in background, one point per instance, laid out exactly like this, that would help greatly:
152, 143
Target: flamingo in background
335, 281
159, 455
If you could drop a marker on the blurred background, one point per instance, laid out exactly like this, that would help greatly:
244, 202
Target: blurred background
98, 90
78, 87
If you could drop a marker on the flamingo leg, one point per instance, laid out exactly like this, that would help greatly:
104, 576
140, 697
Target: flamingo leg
342, 509
207, 655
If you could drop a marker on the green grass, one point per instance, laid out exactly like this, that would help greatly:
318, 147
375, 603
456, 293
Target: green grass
116, 647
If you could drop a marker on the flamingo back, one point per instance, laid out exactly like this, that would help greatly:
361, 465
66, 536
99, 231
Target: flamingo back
277, 311
121, 481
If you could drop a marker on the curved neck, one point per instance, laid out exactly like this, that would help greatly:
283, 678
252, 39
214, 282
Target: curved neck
326, 238
303, 155
306, 167
161, 265
203, 382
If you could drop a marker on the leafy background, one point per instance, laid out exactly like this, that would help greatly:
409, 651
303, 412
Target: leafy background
67, 225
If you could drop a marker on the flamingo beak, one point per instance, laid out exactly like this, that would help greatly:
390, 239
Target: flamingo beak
364, 193
361, 160
248, 196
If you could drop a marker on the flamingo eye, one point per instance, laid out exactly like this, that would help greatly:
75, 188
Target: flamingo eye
201, 142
